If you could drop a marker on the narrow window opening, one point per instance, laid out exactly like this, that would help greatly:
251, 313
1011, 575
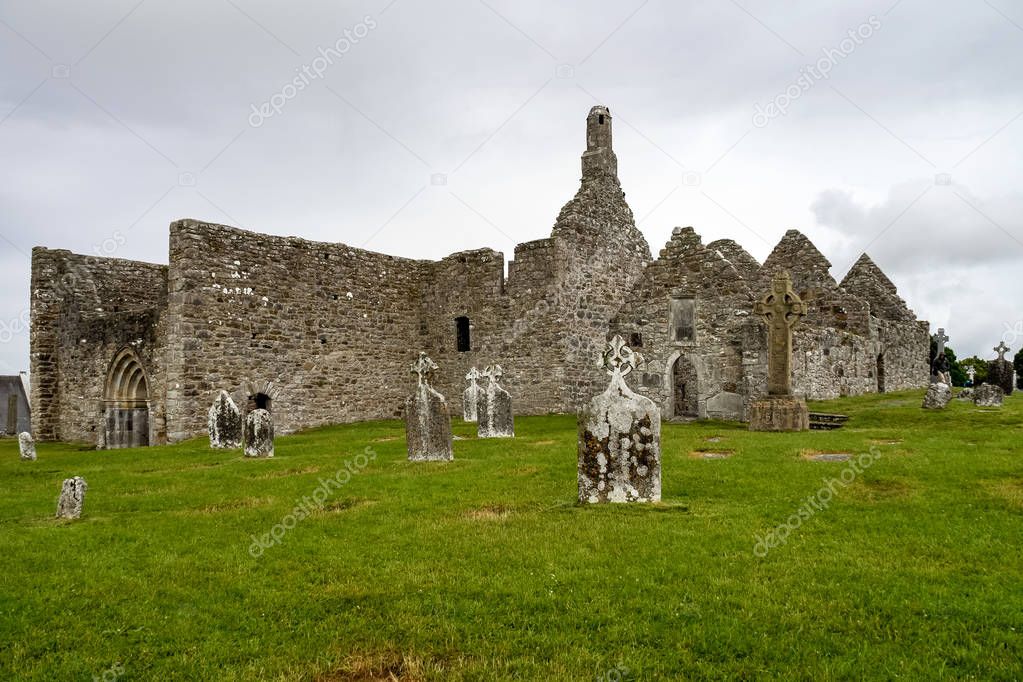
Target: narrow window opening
462, 334
636, 340
600, 119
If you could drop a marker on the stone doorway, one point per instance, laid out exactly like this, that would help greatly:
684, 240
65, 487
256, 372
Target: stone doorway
685, 389
126, 403
880, 373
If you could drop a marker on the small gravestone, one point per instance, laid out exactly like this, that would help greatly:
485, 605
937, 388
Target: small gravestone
494, 407
988, 395
72, 498
619, 437
427, 418
471, 395
26, 446
1000, 372
225, 423
780, 410
938, 396
259, 434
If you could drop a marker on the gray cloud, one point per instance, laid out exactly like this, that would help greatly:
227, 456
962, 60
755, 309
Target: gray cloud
161, 93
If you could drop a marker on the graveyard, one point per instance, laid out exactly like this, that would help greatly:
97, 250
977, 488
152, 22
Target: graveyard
888, 547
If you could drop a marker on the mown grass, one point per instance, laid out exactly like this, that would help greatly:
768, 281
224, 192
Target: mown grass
485, 568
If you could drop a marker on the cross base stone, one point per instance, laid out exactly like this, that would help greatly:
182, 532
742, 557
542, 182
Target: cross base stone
779, 413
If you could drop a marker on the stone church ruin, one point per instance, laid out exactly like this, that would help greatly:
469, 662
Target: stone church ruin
125, 353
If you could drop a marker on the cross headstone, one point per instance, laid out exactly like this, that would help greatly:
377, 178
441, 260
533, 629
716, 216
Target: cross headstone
1001, 349
619, 437
971, 372
494, 407
471, 395
427, 418
782, 309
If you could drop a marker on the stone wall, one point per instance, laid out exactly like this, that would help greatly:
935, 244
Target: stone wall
330, 330
84, 310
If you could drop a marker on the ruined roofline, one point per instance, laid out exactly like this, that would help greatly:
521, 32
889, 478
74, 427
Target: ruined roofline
65, 254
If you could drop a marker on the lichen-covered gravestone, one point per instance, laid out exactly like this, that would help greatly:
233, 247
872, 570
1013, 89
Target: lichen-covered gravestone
494, 407
225, 423
427, 418
780, 410
1000, 372
988, 395
470, 396
620, 437
259, 434
72, 498
938, 396
26, 446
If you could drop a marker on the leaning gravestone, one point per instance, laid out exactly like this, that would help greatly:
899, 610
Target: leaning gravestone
620, 437
988, 395
259, 434
26, 446
780, 410
938, 396
225, 423
427, 418
494, 407
470, 396
1000, 372
72, 498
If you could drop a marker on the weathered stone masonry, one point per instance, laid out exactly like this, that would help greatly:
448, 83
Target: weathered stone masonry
323, 333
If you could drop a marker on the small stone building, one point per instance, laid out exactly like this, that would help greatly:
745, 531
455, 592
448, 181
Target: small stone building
127, 353
15, 413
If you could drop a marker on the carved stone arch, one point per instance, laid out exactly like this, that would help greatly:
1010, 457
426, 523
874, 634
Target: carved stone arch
258, 394
126, 422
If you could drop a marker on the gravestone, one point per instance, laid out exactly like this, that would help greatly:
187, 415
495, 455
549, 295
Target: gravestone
259, 434
470, 396
225, 423
780, 410
72, 498
1000, 372
427, 418
619, 437
26, 446
938, 396
494, 407
988, 395
940, 370
971, 372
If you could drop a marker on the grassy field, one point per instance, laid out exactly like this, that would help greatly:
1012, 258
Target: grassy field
485, 568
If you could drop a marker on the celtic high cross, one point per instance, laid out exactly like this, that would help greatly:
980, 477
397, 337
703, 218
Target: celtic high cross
782, 309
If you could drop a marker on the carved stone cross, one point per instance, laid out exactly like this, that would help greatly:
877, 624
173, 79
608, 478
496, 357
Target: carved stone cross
971, 371
619, 359
494, 373
473, 375
940, 338
781, 309
423, 368
1001, 349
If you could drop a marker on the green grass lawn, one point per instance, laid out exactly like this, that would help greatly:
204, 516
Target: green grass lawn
485, 568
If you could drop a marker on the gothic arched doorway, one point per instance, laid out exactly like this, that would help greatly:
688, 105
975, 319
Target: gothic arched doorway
126, 403
685, 388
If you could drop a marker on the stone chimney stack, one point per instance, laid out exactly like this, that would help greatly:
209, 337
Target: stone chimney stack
599, 157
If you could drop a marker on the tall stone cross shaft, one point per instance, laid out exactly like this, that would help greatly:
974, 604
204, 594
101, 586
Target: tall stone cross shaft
1001, 349
781, 309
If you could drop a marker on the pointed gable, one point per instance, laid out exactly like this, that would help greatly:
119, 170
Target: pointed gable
740, 259
804, 262
866, 280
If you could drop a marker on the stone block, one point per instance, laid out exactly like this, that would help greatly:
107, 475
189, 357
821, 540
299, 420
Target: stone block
988, 395
938, 396
779, 413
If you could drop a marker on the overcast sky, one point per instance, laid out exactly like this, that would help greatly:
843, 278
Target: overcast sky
430, 128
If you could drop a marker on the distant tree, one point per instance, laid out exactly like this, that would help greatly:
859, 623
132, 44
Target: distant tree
955, 370
1017, 363
979, 364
